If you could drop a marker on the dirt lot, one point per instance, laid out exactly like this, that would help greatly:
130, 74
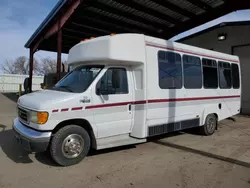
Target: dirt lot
177, 160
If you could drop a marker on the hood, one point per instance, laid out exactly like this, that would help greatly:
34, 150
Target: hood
45, 99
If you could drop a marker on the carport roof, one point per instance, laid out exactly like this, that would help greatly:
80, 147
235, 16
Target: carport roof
80, 19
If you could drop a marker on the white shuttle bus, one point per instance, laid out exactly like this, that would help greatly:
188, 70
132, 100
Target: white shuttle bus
125, 88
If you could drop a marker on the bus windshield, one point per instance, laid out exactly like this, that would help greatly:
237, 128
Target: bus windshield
79, 79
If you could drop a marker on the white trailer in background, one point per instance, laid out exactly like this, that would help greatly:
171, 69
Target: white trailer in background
125, 88
9, 83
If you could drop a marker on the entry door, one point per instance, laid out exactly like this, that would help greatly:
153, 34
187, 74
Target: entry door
112, 102
244, 54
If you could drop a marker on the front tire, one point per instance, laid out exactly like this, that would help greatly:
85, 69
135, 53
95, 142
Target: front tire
70, 145
210, 125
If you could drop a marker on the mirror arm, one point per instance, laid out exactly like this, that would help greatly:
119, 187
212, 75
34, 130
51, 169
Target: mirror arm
102, 98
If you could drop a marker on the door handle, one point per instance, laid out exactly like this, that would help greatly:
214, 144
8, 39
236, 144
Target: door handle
129, 107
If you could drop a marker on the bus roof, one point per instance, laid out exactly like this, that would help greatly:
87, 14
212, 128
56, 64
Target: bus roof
130, 48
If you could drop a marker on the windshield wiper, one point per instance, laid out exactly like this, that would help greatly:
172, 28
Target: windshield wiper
65, 87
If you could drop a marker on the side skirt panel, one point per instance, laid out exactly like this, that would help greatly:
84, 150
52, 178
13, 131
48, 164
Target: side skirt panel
172, 127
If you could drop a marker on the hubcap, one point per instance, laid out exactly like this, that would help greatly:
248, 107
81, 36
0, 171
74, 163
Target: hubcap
211, 124
72, 146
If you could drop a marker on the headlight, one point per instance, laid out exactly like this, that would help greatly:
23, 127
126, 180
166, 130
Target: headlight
39, 117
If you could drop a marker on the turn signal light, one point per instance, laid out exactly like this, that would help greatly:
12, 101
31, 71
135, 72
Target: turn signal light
42, 117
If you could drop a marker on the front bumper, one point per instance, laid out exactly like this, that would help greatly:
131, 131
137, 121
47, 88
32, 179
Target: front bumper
31, 140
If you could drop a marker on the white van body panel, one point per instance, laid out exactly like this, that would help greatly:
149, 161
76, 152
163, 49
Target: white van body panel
61, 106
128, 49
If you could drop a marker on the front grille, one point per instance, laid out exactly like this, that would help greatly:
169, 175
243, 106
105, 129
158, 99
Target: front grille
23, 115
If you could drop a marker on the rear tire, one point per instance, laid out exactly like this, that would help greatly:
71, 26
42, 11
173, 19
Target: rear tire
70, 145
210, 125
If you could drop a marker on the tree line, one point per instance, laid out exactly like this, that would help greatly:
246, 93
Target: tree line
20, 65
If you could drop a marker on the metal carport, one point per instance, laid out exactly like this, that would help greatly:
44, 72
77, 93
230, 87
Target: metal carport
71, 21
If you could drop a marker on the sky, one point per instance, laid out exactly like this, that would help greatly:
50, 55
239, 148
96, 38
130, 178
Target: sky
18, 21
20, 18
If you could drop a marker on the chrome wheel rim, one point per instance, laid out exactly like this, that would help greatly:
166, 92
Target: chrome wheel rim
211, 124
72, 146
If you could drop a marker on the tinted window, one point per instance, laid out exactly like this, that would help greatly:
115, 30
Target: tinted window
170, 70
114, 81
235, 76
210, 74
225, 75
192, 72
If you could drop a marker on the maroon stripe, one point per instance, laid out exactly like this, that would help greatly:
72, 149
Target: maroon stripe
77, 108
188, 52
191, 99
160, 101
64, 109
108, 105
56, 110
139, 102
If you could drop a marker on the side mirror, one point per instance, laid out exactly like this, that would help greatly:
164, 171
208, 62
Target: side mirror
115, 79
98, 91
103, 92
99, 88
42, 85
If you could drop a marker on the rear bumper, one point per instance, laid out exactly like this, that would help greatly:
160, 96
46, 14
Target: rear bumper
31, 140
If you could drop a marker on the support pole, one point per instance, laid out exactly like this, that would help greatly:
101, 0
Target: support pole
31, 69
63, 67
20, 90
59, 53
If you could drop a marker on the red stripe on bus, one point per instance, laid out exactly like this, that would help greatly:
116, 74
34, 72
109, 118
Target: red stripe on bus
191, 99
76, 108
108, 105
64, 109
188, 52
160, 101
139, 102
56, 110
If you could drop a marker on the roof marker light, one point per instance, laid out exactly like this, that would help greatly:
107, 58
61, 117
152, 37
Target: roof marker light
84, 40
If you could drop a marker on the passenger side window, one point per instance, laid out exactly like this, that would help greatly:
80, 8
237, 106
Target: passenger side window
225, 75
235, 76
210, 74
114, 81
169, 70
192, 72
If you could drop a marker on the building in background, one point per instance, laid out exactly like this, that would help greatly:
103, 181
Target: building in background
232, 38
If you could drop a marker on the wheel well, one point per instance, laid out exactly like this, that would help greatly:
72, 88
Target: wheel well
81, 122
216, 115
